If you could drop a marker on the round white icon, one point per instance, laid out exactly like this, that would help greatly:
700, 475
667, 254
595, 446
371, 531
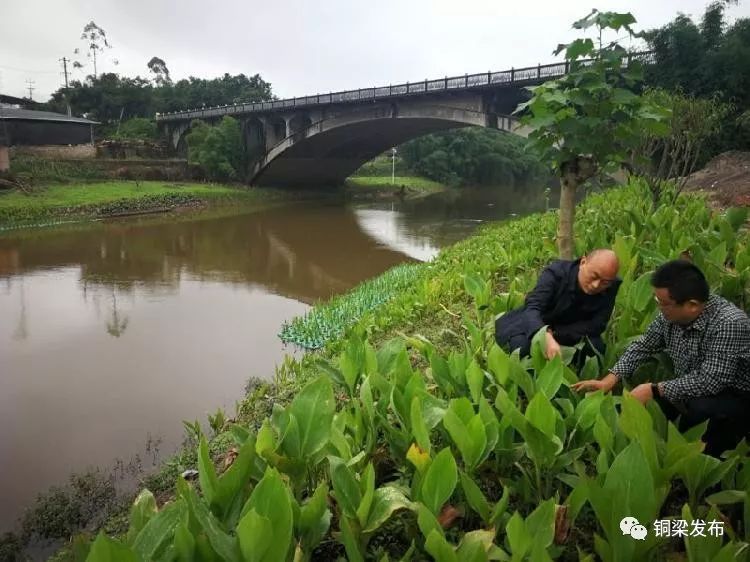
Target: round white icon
638, 532
631, 526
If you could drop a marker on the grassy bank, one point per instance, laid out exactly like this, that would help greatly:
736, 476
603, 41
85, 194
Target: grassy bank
415, 432
111, 198
61, 202
382, 186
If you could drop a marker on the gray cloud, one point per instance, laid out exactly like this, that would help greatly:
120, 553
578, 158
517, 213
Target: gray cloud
301, 47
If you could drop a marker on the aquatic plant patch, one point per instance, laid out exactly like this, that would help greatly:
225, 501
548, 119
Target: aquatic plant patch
328, 321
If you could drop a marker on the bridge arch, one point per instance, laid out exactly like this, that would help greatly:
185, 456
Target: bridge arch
329, 150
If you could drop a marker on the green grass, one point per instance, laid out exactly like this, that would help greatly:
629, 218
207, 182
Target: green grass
108, 197
410, 182
105, 192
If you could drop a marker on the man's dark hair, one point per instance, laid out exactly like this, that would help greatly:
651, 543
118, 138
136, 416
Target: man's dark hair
683, 280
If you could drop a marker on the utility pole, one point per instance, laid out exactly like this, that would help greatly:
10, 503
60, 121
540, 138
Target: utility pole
65, 71
31, 89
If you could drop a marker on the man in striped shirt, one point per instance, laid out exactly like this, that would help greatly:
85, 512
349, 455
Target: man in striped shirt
708, 340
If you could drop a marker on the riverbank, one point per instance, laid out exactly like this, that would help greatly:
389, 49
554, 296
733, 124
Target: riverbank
446, 315
61, 203
106, 199
385, 187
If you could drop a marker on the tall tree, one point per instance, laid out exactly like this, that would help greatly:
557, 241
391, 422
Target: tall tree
96, 42
590, 120
160, 70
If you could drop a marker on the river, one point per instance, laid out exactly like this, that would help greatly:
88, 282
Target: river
113, 333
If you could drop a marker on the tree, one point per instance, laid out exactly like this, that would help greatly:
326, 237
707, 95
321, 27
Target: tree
218, 149
711, 60
138, 128
590, 120
472, 156
159, 68
96, 39
671, 158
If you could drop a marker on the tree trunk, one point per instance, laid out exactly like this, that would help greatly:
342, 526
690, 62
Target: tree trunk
565, 244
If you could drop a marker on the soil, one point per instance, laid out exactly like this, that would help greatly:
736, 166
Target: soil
726, 179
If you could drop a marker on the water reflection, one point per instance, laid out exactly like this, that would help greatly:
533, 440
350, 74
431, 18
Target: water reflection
112, 332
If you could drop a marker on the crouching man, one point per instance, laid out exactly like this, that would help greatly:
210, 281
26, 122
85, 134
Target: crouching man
708, 340
573, 298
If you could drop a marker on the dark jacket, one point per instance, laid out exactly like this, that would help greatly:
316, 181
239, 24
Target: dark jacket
558, 302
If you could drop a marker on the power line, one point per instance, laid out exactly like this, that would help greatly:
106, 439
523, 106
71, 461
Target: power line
31, 88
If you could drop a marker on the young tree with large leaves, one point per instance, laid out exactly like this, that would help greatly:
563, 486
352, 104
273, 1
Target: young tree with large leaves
589, 121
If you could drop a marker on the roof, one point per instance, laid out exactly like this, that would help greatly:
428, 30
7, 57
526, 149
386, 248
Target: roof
31, 115
12, 99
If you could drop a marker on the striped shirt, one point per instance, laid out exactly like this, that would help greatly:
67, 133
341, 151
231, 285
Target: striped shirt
710, 355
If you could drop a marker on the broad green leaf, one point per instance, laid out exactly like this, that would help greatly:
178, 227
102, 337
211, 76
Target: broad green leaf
159, 530
207, 476
271, 499
314, 519
439, 481
313, 409
700, 548
498, 362
266, 441
230, 483
143, 509
475, 498
727, 497
345, 486
637, 424
541, 414
475, 378
538, 344
541, 523
426, 521
367, 485
418, 426
587, 410
255, 534
220, 542
518, 536
641, 294
386, 501
351, 544
184, 543
440, 549
551, 377
105, 549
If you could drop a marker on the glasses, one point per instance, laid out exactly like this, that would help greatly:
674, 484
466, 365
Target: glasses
664, 304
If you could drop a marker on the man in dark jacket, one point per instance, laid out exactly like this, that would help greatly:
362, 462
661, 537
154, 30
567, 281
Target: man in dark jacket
574, 299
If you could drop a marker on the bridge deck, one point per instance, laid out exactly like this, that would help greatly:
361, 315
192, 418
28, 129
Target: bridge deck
512, 77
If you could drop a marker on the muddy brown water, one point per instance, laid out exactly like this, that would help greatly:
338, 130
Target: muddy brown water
111, 334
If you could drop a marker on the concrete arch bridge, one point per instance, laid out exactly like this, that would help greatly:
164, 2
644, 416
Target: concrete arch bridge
322, 139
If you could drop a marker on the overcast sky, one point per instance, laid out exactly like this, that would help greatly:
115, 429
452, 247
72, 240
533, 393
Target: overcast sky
301, 47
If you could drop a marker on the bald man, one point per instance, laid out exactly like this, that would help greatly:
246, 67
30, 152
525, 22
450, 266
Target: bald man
574, 299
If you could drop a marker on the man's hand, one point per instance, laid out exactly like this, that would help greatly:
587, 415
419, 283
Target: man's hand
606, 384
642, 393
552, 348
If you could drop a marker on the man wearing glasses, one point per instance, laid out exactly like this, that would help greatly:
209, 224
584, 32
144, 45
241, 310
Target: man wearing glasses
574, 299
708, 340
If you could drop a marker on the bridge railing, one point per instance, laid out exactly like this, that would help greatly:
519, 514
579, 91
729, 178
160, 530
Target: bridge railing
514, 76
